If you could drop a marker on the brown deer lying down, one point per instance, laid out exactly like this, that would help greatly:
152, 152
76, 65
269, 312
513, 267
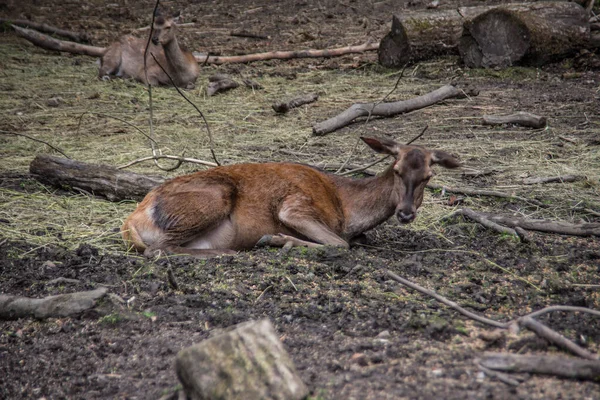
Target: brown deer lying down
232, 208
125, 58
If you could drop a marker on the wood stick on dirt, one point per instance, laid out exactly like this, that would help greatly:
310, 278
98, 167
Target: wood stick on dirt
552, 179
481, 219
62, 305
285, 106
520, 118
286, 55
45, 28
220, 83
246, 34
445, 301
548, 226
526, 320
389, 109
555, 338
566, 367
478, 192
50, 43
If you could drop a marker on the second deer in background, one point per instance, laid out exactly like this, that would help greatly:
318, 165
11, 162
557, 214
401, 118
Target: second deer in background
125, 57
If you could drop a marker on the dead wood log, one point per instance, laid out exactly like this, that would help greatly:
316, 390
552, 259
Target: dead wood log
565, 367
51, 30
539, 33
246, 362
552, 179
421, 35
284, 106
50, 43
519, 118
62, 305
390, 109
101, 180
542, 225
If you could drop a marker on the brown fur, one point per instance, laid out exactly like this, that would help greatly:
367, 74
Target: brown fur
234, 207
125, 58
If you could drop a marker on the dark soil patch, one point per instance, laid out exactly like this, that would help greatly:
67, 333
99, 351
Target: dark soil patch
351, 331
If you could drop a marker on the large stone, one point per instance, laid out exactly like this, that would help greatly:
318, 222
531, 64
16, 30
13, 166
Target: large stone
246, 362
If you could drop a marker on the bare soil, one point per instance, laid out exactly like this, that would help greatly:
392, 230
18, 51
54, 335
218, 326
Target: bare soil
351, 331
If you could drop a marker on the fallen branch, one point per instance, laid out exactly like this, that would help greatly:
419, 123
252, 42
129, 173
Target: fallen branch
246, 34
499, 375
220, 83
555, 338
62, 305
520, 118
565, 367
467, 212
285, 106
552, 179
542, 225
286, 55
389, 109
478, 192
44, 28
50, 43
525, 321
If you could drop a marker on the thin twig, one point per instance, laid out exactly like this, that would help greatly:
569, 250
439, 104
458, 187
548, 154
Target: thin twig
210, 139
35, 140
262, 294
352, 171
418, 136
168, 157
343, 166
113, 117
526, 321
499, 375
555, 338
149, 86
549, 309
477, 192
445, 301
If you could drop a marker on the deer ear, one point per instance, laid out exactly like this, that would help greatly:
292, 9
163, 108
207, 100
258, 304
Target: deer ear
444, 159
385, 146
178, 17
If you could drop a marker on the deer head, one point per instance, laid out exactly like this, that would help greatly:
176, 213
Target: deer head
164, 29
412, 170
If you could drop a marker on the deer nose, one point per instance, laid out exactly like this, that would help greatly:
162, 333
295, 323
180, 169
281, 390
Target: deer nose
405, 217
155, 41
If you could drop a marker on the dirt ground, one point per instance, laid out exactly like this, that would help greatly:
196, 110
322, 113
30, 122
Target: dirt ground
352, 332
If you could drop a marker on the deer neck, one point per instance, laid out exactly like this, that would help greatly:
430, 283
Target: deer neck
175, 57
367, 202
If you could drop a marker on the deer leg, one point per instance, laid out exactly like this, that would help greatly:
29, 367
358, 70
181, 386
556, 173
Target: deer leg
284, 241
293, 215
110, 63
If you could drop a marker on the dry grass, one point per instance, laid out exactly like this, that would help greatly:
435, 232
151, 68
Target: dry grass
246, 129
